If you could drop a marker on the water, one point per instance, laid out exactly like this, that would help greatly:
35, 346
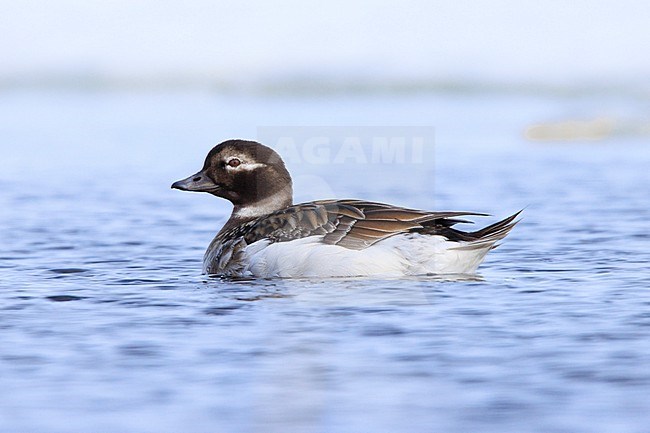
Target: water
107, 325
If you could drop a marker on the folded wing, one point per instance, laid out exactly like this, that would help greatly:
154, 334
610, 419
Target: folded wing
357, 224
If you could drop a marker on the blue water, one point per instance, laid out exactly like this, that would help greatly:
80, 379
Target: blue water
107, 324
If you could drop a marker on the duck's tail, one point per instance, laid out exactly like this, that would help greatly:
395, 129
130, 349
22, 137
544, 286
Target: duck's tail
489, 237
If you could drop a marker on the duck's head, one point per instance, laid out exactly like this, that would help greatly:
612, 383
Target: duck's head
252, 176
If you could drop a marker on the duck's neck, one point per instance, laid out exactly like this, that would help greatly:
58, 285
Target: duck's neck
243, 213
265, 206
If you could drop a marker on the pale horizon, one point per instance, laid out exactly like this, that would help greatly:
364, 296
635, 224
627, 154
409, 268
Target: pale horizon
291, 43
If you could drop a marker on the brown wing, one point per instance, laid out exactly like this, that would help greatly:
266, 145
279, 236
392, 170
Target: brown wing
353, 224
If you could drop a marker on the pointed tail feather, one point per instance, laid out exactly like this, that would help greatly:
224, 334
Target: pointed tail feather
490, 235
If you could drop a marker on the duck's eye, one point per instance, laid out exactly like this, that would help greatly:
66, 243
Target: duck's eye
234, 162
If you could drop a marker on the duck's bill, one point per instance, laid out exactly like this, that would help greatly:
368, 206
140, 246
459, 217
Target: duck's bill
198, 182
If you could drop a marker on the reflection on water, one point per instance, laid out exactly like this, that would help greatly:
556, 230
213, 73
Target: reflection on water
107, 324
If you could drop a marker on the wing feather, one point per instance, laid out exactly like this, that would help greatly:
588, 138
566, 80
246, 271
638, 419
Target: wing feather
353, 224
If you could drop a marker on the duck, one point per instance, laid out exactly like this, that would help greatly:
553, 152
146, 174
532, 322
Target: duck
268, 236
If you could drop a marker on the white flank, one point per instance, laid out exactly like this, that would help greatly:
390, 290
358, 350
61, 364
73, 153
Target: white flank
408, 254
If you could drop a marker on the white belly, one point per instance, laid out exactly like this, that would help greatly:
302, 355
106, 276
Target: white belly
408, 254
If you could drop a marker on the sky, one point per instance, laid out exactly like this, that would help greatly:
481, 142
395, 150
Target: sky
498, 41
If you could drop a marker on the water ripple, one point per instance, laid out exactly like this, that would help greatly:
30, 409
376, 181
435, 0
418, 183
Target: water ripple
108, 325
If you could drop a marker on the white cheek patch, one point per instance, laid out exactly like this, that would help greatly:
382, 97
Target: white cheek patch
250, 166
246, 166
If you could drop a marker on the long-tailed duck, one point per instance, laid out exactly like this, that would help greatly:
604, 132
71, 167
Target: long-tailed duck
268, 236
